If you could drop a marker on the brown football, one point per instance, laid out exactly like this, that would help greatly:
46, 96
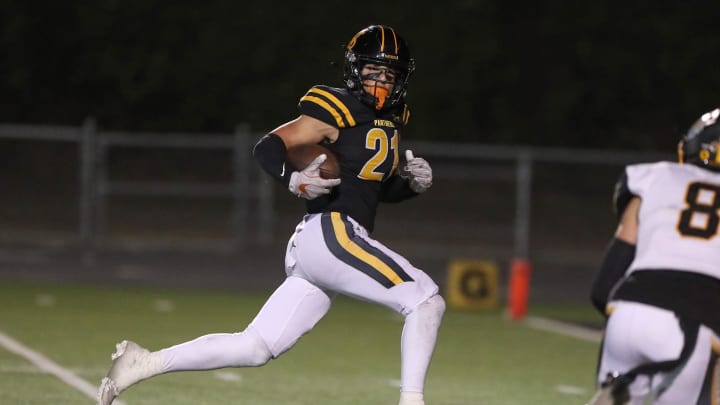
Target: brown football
302, 155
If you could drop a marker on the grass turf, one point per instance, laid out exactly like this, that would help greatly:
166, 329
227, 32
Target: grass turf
351, 357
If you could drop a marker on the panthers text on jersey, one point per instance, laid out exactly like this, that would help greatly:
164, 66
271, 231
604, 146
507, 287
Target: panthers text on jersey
679, 218
366, 148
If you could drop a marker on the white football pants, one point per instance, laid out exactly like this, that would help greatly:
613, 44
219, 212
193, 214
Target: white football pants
328, 254
637, 334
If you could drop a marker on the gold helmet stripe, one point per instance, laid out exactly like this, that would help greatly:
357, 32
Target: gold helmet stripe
353, 41
382, 39
394, 40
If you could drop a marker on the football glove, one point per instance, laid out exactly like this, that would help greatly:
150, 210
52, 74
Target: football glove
418, 172
308, 184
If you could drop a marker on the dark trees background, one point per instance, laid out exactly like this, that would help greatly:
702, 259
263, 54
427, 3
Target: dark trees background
585, 74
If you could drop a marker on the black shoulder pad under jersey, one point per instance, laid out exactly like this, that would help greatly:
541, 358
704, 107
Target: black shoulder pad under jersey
622, 195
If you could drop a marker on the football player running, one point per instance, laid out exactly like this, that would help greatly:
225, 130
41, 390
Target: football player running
659, 283
331, 250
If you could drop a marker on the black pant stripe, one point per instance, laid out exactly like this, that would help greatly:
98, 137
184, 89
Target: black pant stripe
356, 252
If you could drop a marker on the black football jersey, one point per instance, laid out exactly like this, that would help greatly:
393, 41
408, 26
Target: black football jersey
367, 149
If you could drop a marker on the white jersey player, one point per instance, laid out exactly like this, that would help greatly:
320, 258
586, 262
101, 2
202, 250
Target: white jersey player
660, 281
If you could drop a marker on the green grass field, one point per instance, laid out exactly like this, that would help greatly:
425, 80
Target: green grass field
352, 356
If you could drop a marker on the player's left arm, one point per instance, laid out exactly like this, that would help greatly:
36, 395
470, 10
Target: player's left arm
396, 189
415, 177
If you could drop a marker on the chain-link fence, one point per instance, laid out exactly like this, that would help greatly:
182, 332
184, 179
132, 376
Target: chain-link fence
82, 192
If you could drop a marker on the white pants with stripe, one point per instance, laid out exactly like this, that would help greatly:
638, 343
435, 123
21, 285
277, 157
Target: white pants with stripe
637, 334
328, 254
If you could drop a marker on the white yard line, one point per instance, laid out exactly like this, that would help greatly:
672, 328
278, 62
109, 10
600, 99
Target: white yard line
49, 366
564, 328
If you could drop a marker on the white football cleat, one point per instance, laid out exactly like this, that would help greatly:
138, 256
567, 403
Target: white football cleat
131, 364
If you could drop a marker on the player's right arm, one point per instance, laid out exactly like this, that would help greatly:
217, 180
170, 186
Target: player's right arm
305, 130
313, 125
627, 229
621, 250
271, 150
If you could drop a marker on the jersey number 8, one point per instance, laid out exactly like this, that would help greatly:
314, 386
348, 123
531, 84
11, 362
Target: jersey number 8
705, 207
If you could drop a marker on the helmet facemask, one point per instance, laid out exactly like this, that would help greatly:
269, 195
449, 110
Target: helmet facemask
378, 93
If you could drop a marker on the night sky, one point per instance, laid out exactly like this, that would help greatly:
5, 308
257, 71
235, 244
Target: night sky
584, 74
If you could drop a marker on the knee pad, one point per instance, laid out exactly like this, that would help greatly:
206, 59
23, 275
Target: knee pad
256, 350
431, 310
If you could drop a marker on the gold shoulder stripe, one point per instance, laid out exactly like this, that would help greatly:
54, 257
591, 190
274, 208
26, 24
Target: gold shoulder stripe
322, 103
406, 115
339, 104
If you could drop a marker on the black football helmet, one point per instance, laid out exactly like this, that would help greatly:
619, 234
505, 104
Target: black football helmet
380, 45
701, 144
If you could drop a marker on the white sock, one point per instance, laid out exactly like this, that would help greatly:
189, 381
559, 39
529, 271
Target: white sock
218, 350
414, 398
418, 342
